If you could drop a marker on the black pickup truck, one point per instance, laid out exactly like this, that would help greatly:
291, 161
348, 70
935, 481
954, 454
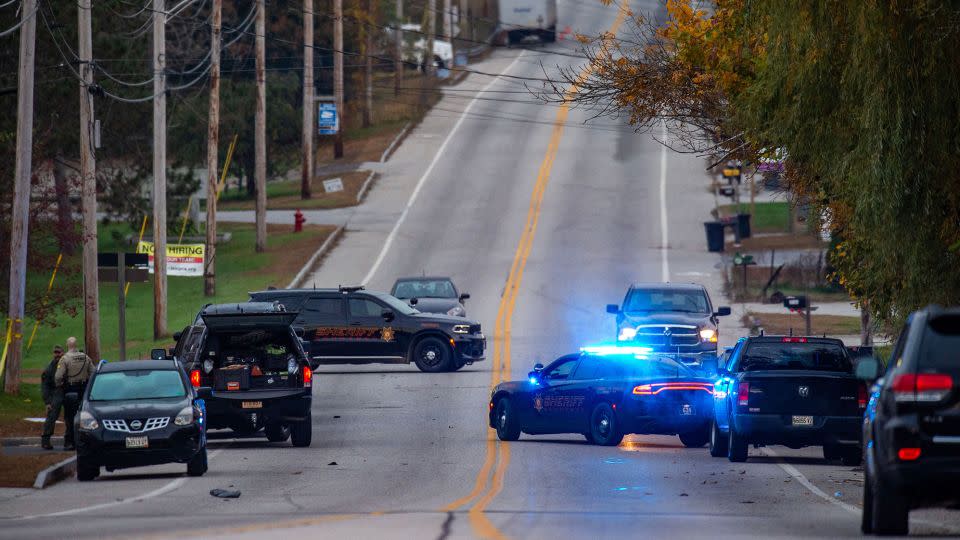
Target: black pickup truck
794, 391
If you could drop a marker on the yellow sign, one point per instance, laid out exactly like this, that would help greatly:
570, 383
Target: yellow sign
182, 259
731, 172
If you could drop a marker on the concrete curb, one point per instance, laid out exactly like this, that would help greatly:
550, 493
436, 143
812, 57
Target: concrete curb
393, 144
55, 473
29, 441
297, 280
365, 186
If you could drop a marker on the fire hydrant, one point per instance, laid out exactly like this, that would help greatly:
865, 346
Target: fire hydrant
298, 221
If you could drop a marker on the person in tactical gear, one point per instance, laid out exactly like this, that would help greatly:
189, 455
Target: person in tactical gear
73, 372
52, 397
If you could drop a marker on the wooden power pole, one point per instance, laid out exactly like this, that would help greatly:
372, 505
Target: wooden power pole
338, 75
306, 174
213, 144
398, 61
369, 7
159, 170
260, 133
88, 187
20, 220
430, 68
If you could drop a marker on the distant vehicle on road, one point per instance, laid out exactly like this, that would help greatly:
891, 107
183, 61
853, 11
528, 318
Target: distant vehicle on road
522, 18
352, 326
673, 318
248, 359
138, 413
794, 391
431, 295
605, 393
912, 424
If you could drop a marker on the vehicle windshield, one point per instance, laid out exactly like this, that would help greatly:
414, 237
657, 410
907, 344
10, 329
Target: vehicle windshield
397, 305
762, 356
137, 384
424, 288
680, 301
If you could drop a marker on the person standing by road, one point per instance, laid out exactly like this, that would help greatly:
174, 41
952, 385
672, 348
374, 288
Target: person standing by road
73, 372
52, 398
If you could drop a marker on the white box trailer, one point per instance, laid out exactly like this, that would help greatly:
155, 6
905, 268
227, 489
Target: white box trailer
522, 18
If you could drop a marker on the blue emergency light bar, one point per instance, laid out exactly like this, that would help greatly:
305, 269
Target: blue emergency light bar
614, 350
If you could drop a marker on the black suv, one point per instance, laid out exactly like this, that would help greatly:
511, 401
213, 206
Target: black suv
136, 413
673, 318
912, 424
251, 360
352, 326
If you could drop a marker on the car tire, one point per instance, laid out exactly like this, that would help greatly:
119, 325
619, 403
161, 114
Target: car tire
277, 432
432, 355
301, 433
851, 456
85, 471
737, 447
866, 516
891, 513
197, 465
718, 441
506, 420
696, 439
604, 426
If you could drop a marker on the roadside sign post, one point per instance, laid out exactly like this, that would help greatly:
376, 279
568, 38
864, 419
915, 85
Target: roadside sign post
743, 261
113, 268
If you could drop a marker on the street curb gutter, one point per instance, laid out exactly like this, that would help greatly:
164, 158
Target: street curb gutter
298, 279
55, 473
56, 440
365, 186
393, 144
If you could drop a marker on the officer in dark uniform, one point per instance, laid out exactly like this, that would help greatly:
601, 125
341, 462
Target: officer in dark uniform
52, 397
73, 372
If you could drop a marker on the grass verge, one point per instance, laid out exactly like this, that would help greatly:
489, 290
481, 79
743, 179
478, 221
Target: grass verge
782, 323
285, 195
768, 217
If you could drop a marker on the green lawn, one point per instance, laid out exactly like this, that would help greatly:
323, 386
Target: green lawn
239, 270
769, 216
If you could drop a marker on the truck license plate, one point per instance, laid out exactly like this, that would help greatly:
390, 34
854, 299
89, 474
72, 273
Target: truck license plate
803, 420
137, 442
252, 405
686, 410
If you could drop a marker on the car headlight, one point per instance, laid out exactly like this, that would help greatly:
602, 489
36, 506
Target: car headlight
456, 311
627, 333
184, 417
88, 422
708, 334
208, 365
292, 366
461, 329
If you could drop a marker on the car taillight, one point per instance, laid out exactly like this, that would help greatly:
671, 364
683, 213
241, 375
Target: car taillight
862, 395
307, 377
643, 390
922, 387
908, 454
195, 378
743, 394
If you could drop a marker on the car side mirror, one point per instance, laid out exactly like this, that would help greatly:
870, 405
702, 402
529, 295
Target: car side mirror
463, 297
613, 309
387, 315
177, 335
722, 311
298, 330
204, 392
868, 369
413, 301
71, 398
158, 354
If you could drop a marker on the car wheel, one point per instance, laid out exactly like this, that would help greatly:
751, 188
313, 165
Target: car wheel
891, 514
276, 432
696, 439
866, 516
198, 463
604, 427
301, 433
718, 441
736, 447
85, 471
432, 355
506, 421
851, 456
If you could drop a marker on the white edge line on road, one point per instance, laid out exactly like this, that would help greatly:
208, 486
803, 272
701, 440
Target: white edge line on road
664, 233
799, 477
426, 174
167, 488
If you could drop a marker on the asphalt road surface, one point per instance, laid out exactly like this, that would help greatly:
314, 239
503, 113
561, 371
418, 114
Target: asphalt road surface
544, 220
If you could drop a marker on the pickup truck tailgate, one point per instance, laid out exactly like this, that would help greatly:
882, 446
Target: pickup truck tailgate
812, 393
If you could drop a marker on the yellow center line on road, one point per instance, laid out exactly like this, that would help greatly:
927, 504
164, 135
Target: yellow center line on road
498, 453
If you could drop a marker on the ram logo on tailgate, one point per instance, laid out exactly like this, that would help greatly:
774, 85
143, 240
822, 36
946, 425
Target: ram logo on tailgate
804, 391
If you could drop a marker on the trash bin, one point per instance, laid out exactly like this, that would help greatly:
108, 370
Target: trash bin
743, 225
714, 236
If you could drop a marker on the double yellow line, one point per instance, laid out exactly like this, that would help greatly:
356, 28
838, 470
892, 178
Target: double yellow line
489, 484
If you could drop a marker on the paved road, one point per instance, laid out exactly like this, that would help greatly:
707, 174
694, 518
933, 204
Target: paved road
544, 220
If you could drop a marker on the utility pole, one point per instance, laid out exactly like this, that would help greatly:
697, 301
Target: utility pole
88, 186
306, 175
338, 75
21, 193
398, 61
260, 134
213, 144
431, 69
368, 64
159, 170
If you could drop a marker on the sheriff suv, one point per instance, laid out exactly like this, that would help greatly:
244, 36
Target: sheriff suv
248, 360
350, 325
676, 318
